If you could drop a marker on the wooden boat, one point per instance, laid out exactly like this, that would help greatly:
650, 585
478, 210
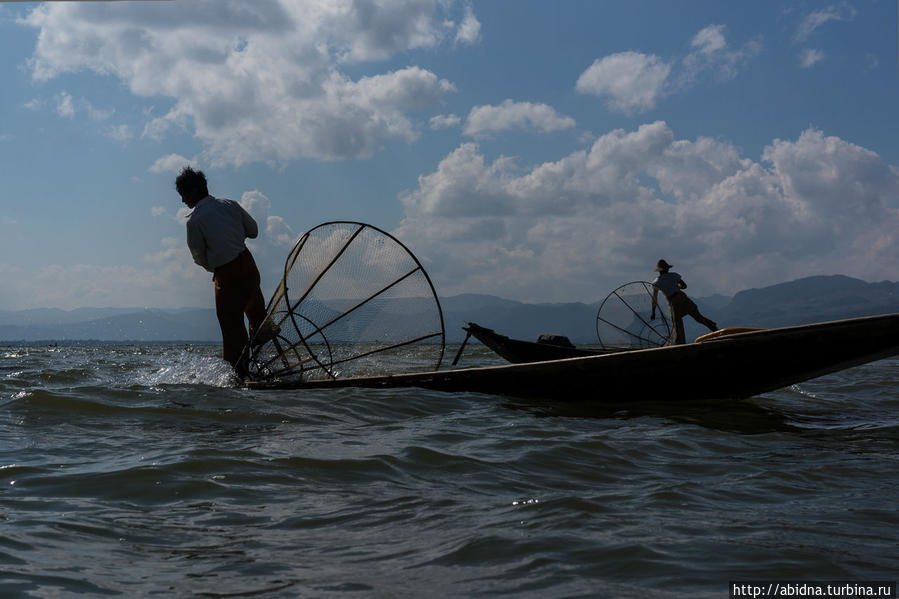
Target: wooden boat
733, 366
519, 352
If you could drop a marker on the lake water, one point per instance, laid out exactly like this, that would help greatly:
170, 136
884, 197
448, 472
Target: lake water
145, 471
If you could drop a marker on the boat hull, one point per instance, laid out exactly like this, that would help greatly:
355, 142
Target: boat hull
735, 366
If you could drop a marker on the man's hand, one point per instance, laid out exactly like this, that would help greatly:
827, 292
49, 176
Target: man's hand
652, 316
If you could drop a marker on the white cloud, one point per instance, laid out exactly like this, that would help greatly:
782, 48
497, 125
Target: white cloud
631, 81
280, 234
711, 53
80, 285
273, 229
64, 106
811, 22
259, 81
444, 121
256, 203
97, 114
364, 30
275, 238
515, 115
120, 132
410, 88
710, 40
167, 278
470, 29
67, 107
809, 57
577, 227
464, 185
171, 163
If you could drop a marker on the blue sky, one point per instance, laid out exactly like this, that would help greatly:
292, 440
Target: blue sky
541, 151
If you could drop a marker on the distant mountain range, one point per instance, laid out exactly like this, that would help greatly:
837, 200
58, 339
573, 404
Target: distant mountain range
110, 324
812, 299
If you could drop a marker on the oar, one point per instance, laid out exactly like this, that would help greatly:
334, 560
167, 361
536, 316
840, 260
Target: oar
461, 347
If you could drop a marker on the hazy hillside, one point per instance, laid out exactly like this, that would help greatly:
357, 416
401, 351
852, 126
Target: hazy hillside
112, 324
522, 321
812, 299
55, 316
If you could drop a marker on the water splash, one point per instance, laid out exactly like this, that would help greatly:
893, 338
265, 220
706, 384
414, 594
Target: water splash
186, 367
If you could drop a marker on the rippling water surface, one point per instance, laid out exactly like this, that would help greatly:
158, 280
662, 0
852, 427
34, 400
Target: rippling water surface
145, 471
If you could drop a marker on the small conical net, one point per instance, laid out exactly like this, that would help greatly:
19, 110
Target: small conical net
624, 319
353, 301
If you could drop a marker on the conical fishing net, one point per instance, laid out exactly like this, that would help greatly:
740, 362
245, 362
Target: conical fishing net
353, 301
623, 319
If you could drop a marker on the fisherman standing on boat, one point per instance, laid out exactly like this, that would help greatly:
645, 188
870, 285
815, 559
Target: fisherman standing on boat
672, 285
216, 230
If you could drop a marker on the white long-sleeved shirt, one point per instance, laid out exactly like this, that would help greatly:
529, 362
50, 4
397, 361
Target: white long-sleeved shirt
216, 231
668, 282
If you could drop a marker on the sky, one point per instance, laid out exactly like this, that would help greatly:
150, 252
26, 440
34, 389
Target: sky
543, 151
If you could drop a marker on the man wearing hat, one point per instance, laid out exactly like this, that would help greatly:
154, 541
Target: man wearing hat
672, 285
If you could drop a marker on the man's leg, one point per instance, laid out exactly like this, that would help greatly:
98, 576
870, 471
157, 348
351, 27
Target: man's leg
677, 325
679, 335
710, 324
255, 310
681, 305
254, 307
229, 303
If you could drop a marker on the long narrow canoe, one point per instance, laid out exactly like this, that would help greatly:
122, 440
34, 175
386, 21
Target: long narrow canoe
519, 352
733, 366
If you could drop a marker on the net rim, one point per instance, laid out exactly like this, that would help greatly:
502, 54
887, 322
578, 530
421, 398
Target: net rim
647, 287
282, 290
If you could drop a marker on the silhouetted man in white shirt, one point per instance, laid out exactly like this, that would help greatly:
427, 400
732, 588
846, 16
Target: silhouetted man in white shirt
216, 230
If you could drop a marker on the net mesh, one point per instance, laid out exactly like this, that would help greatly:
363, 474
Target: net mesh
353, 301
623, 319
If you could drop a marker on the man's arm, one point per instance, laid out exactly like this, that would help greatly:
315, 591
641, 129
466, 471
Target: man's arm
196, 243
655, 302
250, 228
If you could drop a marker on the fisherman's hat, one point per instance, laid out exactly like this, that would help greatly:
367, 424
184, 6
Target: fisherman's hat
662, 265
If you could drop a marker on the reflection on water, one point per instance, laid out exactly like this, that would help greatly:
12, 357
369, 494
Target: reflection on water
738, 416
